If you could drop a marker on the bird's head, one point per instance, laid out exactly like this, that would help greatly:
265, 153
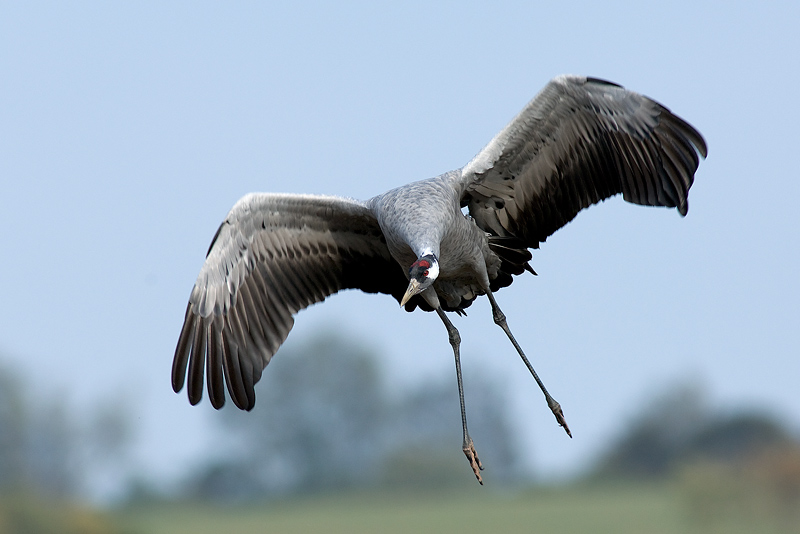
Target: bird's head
422, 274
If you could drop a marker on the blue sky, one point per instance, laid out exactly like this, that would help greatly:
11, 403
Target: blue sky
127, 131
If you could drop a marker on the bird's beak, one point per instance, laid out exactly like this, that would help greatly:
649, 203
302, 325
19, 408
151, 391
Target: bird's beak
413, 289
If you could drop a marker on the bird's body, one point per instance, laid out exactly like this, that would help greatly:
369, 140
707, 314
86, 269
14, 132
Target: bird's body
461, 248
579, 141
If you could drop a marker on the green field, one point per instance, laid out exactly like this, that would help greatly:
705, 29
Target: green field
701, 503
614, 509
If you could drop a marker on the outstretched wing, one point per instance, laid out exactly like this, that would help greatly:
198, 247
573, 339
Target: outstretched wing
271, 257
579, 141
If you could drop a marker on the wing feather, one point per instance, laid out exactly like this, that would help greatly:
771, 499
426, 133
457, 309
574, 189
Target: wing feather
216, 382
579, 141
196, 361
273, 256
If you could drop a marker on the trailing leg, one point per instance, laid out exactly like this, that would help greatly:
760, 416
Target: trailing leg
500, 320
468, 447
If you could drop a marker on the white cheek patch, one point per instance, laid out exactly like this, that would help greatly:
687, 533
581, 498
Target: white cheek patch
433, 270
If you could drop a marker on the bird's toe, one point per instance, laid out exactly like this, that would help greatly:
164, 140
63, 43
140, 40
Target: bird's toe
474, 461
559, 413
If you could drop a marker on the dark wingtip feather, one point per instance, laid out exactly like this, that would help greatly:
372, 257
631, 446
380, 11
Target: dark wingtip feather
216, 385
214, 239
233, 374
601, 81
181, 357
246, 366
689, 131
685, 133
197, 363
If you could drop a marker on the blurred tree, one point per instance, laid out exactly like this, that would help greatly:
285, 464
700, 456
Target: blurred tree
51, 451
12, 432
30, 514
760, 492
40, 465
678, 427
317, 424
106, 434
736, 437
652, 442
425, 433
324, 420
46, 451
36, 444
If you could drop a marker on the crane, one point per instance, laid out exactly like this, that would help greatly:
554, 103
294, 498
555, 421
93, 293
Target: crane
579, 141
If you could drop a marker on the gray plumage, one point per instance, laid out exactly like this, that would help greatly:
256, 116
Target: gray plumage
579, 141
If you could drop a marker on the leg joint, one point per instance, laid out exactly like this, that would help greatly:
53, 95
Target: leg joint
454, 336
499, 316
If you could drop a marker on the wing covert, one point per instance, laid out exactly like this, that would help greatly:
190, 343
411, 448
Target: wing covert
273, 256
579, 141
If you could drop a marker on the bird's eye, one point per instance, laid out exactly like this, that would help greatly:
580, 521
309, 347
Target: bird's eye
425, 273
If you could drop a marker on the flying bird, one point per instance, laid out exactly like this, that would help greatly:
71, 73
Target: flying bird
579, 141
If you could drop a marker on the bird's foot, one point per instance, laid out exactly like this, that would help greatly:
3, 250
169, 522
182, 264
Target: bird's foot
474, 461
559, 413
